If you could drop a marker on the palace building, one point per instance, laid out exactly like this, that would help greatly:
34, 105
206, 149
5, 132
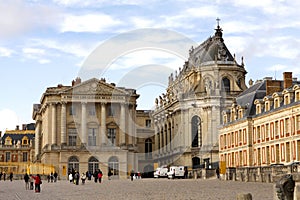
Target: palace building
187, 116
16, 149
92, 125
262, 127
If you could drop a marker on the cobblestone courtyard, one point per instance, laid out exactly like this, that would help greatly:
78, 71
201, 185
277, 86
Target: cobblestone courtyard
138, 189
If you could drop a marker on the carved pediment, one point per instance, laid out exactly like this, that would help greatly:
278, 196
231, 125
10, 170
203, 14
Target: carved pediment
94, 87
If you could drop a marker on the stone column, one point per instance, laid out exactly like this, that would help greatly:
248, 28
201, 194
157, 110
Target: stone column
53, 119
37, 139
83, 122
168, 136
122, 125
156, 147
63, 123
103, 124
130, 125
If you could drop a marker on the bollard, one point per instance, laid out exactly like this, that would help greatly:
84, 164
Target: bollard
247, 196
285, 187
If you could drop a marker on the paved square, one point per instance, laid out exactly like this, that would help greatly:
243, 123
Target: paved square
212, 189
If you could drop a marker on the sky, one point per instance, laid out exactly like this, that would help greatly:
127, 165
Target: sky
50, 42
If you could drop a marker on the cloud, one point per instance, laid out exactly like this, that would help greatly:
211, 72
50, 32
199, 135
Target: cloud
98, 3
8, 119
77, 49
18, 17
5, 52
88, 23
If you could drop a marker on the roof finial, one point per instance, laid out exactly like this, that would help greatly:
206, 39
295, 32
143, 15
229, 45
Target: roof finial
218, 22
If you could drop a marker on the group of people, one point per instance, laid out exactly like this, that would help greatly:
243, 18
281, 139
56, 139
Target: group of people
52, 177
74, 176
3, 174
30, 179
135, 175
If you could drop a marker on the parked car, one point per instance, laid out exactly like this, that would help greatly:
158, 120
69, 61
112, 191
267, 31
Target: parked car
161, 172
179, 172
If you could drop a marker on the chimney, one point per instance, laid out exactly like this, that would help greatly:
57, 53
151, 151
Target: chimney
287, 79
272, 86
77, 81
23, 126
17, 127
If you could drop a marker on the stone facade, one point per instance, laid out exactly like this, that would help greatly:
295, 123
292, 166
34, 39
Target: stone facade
86, 126
186, 117
262, 128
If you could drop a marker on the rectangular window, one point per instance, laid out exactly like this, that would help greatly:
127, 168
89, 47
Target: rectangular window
148, 123
111, 135
72, 110
92, 111
25, 156
7, 156
72, 136
92, 136
267, 131
112, 110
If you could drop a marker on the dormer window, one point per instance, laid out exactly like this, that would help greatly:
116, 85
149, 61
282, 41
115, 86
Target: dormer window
276, 103
286, 99
258, 108
8, 141
25, 140
267, 106
297, 96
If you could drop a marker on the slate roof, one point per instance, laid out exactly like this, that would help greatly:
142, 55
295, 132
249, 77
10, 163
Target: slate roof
211, 50
248, 96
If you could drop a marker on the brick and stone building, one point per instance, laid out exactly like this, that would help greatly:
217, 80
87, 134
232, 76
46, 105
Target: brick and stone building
262, 127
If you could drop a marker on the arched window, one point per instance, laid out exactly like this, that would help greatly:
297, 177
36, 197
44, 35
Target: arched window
113, 166
226, 84
196, 162
148, 148
93, 164
196, 132
73, 164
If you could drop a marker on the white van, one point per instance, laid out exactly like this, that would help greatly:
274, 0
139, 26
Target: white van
161, 172
179, 172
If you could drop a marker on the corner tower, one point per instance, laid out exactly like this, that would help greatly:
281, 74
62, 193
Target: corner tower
187, 116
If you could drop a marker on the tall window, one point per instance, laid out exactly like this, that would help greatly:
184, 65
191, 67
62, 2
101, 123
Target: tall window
92, 136
25, 156
7, 156
93, 164
148, 123
72, 132
92, 110
72, 110
113, 166
226, 84
148, 148
111, 135
196, 132
73, 164
112, 110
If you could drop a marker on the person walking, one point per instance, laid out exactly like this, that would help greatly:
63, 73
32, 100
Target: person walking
26, 179
11, 175
95, 176
1, 174
100, 174
31, 180
4, 176
131, 175
109, 174
55, 176
37, 182
218, 173
70, 177
83, 177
